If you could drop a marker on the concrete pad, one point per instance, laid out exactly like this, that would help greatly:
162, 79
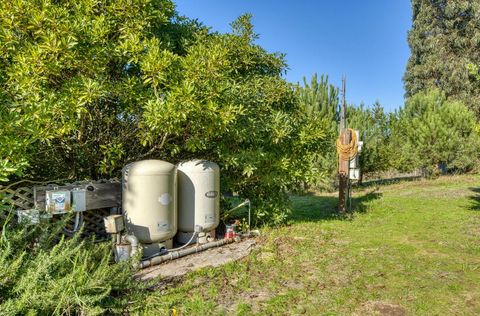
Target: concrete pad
213, 257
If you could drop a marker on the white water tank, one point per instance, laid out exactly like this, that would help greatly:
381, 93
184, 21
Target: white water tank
198, 199
149, 196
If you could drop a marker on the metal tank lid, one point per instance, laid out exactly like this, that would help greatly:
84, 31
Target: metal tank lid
198, 165
150, 167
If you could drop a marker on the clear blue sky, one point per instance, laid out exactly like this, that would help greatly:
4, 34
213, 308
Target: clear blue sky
364, 40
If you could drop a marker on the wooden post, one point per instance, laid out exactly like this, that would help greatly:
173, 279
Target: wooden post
343, 166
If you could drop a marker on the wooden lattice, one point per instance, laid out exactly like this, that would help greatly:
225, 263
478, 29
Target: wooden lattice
22, 198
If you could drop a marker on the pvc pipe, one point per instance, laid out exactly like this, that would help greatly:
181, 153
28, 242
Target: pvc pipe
133, 241
246, 202
183, 246
182, 253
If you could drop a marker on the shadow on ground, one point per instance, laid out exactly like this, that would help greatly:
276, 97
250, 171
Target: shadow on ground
318, 208
475, 199
370, 183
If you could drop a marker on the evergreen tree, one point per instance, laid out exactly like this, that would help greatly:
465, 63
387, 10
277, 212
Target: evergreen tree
433, 131
319, 102
374, 126
444, 43
319, 96
93, 85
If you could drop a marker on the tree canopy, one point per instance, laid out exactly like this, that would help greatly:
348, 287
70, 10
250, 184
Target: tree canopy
87, 86
444, 43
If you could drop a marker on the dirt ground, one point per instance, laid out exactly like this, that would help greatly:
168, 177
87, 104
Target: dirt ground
213, 257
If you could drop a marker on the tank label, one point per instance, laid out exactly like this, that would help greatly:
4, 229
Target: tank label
211, 194
209, 219
165, 199
163, 226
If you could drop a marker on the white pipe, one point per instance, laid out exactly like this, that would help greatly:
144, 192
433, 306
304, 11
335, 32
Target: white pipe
77, 224
183, 246
133, 241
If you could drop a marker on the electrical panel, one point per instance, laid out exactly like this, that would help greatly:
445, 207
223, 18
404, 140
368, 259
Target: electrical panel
58, 201
79, 200
355, 174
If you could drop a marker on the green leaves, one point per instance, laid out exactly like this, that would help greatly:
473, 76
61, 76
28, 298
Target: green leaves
93, 85
437, 131
444, 46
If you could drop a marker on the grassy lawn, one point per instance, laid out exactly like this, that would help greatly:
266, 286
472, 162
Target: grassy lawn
411, 248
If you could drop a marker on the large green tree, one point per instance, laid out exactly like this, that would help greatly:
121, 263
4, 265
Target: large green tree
318, 99
445, 44
432, 130
72, 81
87, 86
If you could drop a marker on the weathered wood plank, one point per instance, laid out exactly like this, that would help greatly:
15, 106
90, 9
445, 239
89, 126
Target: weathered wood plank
98, 195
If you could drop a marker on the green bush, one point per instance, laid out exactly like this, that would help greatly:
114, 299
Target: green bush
42, 273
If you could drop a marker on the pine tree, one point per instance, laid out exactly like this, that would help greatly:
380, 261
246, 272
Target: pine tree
375, 128
319, 96
434, 131
444, 43
319, 102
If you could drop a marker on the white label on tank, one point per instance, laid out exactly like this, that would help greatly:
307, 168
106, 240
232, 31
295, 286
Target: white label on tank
163, 226
165, 199
209, 219
211, 194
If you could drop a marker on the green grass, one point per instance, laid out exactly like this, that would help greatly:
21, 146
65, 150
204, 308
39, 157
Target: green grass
410, 248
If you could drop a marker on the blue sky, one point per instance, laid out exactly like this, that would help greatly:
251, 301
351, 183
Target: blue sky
364, 40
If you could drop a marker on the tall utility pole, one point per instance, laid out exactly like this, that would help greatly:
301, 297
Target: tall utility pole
343, 165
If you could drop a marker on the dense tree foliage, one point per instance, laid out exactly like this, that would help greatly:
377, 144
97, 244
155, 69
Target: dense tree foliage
375, 129
319, 100
71, 87
444, 43
432, 130
87, 86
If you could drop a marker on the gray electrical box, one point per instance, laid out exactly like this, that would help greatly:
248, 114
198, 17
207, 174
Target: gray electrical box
79, 200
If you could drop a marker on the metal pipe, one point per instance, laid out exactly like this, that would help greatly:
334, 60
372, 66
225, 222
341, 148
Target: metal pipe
182, 253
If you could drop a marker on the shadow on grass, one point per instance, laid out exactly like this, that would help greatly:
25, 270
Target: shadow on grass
475, 199
370, 183
310, 208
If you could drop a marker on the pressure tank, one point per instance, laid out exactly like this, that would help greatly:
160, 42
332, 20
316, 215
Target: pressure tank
149, 196
198, 199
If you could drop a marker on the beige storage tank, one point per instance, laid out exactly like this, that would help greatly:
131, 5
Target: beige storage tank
149, 196
198, 199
